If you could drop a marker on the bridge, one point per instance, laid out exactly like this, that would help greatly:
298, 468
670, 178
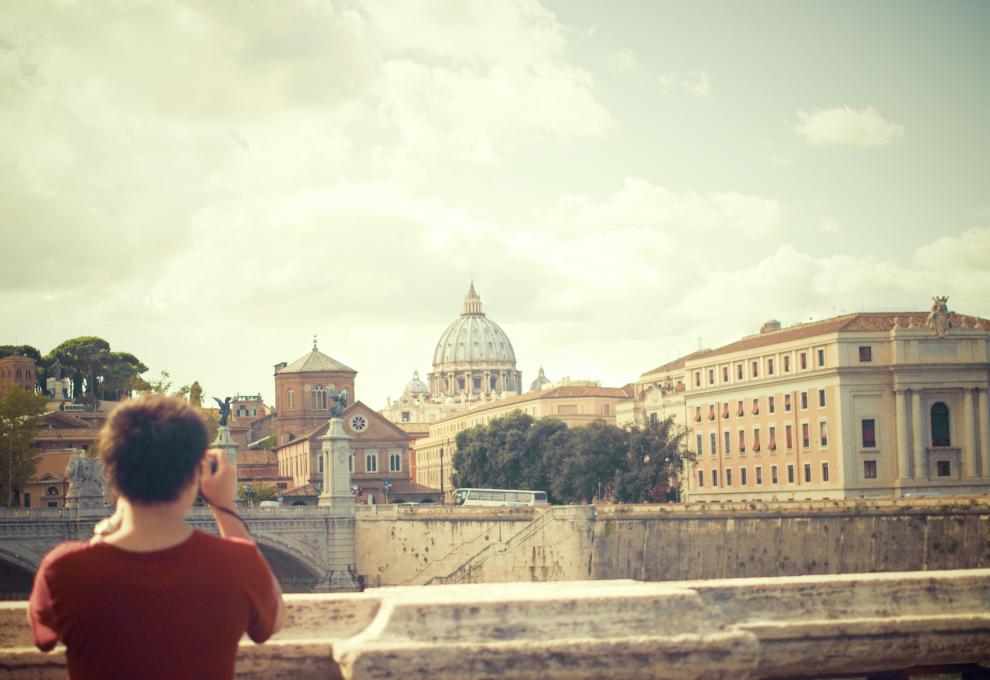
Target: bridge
302, 544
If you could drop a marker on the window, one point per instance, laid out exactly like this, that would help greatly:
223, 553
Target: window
807, 472
788, 437
711, 376
395, 462
606, 409
727, 438
654, 417
755, 369
725, 374
405, 416
771, 405
790, 474
805, 436
725, 410
697, 414
476, 381
739, 373
728, 476
289, 398
700, 442
804, 401
821, 358
460, 384
772, 444
714, 477
866, 353
713, 440
742, 476
944, 468
787, 363
773, 475
787, 403
697, 378
756, 440
823, 434
869, 469
770, 366
869, 427
824, 472
742, 441
27, 496
319, 398
711, 412
759, 475
319, 462
756, 406
739, 409
371, 462
701, 478
803, 360
940, 425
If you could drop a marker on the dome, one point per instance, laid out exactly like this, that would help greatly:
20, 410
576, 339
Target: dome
416, 387
474, 339
540, 382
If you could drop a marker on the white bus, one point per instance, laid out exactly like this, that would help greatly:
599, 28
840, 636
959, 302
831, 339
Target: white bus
499, 497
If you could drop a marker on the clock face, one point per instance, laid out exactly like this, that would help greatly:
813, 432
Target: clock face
359, 423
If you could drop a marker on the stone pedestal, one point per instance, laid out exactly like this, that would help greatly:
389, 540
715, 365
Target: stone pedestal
228, 445
339, 500
87, 485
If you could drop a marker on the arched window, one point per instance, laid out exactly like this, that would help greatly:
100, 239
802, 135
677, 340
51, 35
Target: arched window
940, 425
319, 398
289, 394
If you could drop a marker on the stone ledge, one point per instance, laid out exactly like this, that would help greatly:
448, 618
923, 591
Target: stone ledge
810, 626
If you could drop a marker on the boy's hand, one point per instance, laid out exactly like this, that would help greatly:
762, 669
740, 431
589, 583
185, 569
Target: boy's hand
108, 525
218, 481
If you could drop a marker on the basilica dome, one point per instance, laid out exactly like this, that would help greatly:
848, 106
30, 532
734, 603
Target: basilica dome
474, 355
416, 387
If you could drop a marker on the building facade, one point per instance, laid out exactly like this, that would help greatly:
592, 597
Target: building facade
861, 405
17, 370
303, 391
576, 404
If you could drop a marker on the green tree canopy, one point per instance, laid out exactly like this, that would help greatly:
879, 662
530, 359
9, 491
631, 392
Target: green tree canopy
20, 417
574, 465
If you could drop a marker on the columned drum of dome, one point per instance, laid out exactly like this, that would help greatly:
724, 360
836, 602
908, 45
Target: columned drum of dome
474, 356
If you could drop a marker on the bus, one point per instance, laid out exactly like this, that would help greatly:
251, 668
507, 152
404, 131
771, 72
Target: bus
499, 497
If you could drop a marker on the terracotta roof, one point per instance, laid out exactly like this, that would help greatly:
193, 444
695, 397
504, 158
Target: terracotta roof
263, 457
304, 490
316, 362
860, 322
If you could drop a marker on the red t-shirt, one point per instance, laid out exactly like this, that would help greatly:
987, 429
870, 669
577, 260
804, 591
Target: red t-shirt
174, 613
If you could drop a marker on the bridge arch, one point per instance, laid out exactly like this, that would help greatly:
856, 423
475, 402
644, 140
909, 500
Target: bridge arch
295, 575
16, 576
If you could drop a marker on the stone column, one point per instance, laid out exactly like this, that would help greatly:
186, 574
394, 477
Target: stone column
903, 447
969, 454
228, 445
338, 499
983, 416
917, 440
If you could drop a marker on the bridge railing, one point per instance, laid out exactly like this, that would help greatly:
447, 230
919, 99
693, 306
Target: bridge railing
794, 627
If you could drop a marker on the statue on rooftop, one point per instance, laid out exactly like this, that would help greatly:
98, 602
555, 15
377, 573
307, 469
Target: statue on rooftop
224, 410
939, 321
338, 401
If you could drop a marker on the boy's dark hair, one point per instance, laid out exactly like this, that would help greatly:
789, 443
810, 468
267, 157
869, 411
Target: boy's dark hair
150, 448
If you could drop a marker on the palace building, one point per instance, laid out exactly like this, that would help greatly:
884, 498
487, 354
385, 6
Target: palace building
856, 406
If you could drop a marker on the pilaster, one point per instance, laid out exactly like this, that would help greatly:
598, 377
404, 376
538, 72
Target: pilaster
969, 453
917, 439
903, 436
983, 416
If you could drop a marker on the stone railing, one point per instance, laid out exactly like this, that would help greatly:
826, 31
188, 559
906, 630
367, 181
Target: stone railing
795, 627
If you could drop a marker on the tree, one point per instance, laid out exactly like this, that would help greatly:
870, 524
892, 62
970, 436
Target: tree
196, 394
20, 417
259, 492
654, 462
121, 373
84, 357
592, 456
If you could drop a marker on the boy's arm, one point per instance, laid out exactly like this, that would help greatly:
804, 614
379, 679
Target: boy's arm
218, 486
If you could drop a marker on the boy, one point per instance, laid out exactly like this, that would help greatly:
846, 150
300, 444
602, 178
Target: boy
150, 597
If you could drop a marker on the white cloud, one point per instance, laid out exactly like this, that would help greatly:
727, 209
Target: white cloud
844, 125
969, 252
827, 225
696, 83
623, 60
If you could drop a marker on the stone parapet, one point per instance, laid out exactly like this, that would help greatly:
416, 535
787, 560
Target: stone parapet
795, 627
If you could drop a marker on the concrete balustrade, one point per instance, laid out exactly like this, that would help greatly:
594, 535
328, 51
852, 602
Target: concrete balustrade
803, 626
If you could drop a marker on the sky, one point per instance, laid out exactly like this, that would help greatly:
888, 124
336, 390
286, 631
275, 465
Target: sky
209, 185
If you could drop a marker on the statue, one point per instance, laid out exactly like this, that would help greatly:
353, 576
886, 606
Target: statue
224, 410
939, 321
86, 481
339, 402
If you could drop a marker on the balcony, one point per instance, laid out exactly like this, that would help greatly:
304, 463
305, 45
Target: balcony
793, 627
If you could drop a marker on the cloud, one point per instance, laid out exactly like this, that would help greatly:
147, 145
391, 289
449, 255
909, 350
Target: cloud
622, 61
695, 83
827, 225
844, 125
969, 252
